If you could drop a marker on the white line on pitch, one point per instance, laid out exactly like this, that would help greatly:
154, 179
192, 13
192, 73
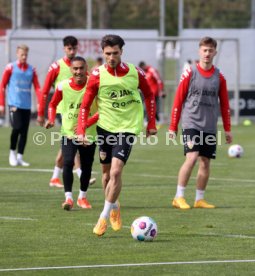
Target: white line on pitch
25, 170
13, 218
211, 178
137, 175
127, 265
240, 236
31, 170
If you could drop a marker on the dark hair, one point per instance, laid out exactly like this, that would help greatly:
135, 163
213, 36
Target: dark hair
208, 41
70, 40
141, 64
78, 58
112, 40
99, 59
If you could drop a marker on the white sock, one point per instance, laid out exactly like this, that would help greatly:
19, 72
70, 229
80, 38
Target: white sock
180, 191
69, 195
106, 211
56, 172
13, 152
78, 171
82, 194
200, 194
13, 155
19, 156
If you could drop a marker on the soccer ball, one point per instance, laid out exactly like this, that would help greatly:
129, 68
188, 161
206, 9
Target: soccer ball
144, 229
235, 151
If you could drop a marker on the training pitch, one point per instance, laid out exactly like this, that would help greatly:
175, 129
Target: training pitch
37, 237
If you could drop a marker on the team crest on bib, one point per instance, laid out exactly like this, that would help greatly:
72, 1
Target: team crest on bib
114, 95
190, 144
102, 155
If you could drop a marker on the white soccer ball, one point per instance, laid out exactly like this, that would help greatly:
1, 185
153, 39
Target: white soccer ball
144, 229
235, 151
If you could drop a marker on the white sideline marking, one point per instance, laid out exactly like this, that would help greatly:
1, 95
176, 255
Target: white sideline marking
136, 174
240, 236
25, 170
31, 170
13, 218
126, 265
211, 178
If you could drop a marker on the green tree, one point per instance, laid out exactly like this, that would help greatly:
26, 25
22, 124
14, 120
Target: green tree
216, 14
132, 14
54, 14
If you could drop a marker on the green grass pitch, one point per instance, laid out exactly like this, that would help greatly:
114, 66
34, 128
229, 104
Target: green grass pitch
36, 233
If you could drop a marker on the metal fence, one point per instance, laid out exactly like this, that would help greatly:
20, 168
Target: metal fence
168, 54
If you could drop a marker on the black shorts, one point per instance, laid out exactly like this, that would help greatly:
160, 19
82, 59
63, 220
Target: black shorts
111, 145
69, 149
19, 118
204, 143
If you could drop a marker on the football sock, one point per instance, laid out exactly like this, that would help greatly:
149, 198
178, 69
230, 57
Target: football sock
180, 191
19, 156
13, 152
69, 195
56, 172
13, 155
199, 194
82, 194
106, 211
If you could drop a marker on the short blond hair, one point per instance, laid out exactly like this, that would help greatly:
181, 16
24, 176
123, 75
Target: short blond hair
23, 47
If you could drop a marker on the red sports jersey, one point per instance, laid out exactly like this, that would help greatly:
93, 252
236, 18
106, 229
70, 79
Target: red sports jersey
49, 81
154, 80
